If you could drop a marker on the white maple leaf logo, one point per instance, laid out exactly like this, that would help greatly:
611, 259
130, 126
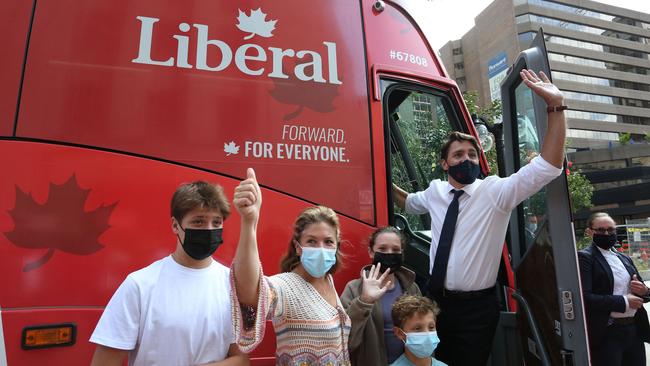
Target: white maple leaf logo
255, 24
230, 148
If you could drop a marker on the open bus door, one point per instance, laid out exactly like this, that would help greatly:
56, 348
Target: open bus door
550, 316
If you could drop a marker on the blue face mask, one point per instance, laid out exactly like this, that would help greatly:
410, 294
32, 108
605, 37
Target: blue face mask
531, 226
317, 261
422, 344
465, 172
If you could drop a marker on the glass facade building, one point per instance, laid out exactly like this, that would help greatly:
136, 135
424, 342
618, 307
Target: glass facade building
600, 58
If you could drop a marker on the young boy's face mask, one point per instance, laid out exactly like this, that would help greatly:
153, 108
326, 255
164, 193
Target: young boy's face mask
422, 344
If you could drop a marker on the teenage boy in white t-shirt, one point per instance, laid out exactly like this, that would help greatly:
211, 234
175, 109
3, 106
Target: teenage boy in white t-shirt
176, 311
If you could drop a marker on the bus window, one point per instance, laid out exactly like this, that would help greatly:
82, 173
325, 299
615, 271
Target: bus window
532, 211
419, 123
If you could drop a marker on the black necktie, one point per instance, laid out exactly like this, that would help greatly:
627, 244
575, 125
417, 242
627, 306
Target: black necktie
437, 280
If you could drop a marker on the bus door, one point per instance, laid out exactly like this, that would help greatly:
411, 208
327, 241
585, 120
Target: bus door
550, 314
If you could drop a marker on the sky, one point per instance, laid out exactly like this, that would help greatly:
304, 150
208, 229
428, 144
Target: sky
465, 10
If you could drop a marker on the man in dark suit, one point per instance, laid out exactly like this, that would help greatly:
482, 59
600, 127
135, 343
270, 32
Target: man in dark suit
614, 294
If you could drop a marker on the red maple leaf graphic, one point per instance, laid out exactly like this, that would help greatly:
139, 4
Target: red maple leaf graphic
60, 223
315, 96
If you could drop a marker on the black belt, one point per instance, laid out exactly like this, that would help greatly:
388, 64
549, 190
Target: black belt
621, 321
467, 295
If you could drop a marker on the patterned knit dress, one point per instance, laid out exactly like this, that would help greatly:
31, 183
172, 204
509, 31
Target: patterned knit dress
309, 331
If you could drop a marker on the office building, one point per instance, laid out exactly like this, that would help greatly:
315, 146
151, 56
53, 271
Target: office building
600, 58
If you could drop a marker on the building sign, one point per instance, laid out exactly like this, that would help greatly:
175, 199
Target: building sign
497, 70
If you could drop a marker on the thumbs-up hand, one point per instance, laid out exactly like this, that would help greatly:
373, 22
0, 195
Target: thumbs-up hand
637, 287
248, 198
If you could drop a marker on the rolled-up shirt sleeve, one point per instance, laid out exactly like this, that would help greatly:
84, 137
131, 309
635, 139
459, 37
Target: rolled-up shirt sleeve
416, 203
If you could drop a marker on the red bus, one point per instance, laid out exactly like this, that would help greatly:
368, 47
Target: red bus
107, 106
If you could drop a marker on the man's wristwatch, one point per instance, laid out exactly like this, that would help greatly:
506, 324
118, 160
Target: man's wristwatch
556, 108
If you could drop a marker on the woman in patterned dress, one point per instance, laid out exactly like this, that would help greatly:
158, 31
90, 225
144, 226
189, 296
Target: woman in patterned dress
311, 326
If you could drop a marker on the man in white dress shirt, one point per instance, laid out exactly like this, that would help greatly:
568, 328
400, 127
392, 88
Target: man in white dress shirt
469, 219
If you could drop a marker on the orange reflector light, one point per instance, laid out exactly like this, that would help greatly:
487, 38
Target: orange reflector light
54, 335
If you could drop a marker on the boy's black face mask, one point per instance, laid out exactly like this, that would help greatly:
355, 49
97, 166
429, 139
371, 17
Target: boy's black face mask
201, 243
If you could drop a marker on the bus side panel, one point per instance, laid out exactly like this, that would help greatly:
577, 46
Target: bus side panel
394, 47
279, 86
74, 222
393, 41
14, 21
78, 354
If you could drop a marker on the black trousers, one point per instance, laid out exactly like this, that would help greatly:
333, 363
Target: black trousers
466, 329
621, 346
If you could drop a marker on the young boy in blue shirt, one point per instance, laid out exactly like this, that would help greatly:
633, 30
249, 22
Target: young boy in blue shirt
414, 318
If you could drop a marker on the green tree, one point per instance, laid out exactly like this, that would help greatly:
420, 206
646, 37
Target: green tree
490, 112
581, 190
624, 138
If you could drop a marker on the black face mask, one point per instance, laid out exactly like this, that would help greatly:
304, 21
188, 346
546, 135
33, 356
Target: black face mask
605, 241
392, 261
465, 172
201, 243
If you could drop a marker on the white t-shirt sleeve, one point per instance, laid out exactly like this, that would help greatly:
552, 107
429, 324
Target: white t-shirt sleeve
119, 325
228, 326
